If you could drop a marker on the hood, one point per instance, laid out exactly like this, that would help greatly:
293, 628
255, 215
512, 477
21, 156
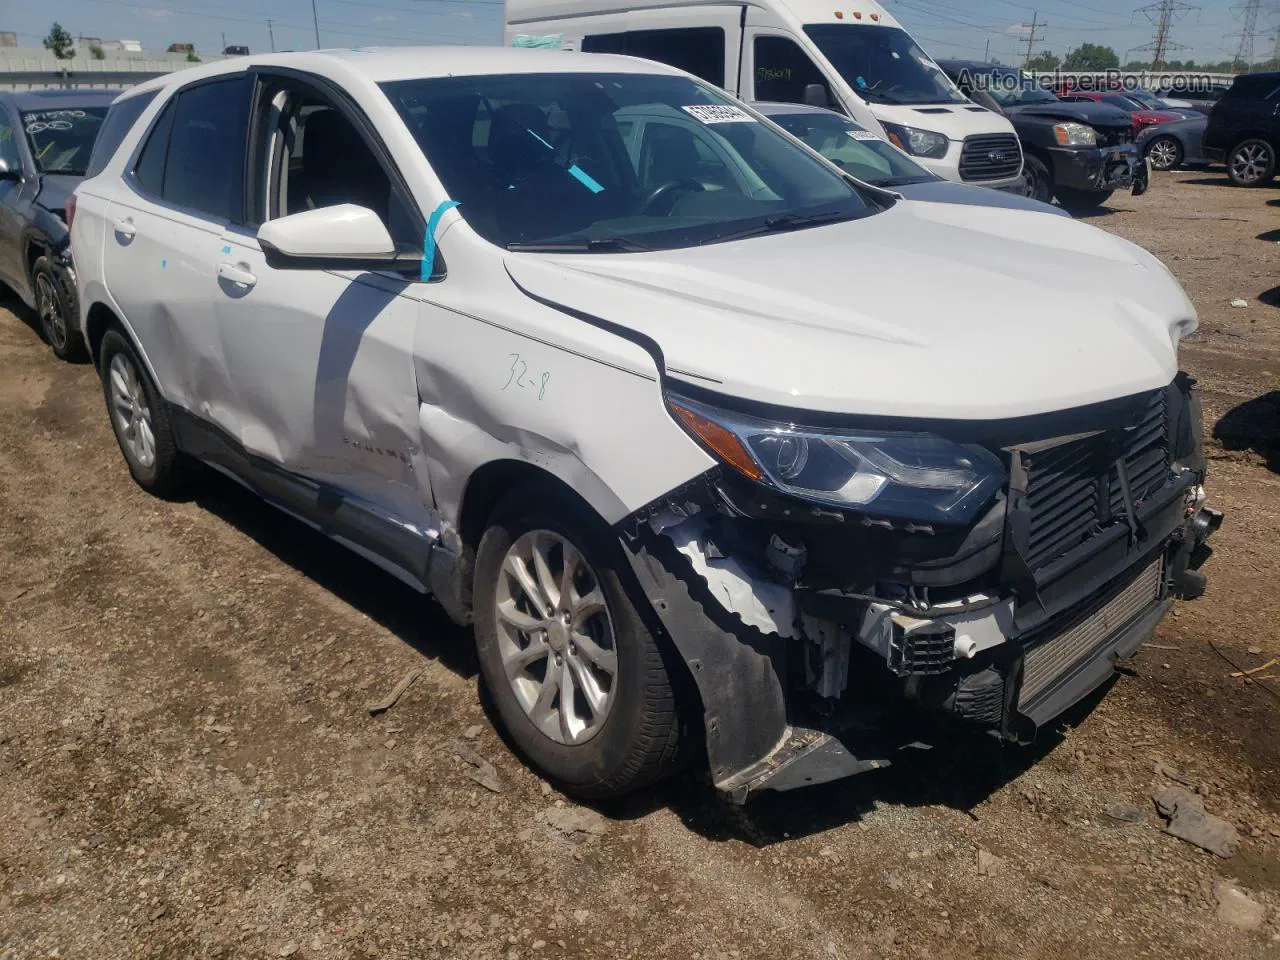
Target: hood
944, 191
956, 121
928, 310
1102, 114
54, 191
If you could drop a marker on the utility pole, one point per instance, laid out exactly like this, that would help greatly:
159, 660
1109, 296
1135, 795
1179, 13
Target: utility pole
1032, 27
1163, 13
986, 57
316, 20
272, 34
1249, 32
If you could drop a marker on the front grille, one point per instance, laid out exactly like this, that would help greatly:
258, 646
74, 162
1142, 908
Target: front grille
1047, 662
990, 157
1073, 490
1114, 136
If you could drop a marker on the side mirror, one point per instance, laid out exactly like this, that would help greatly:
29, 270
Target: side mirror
8, 172
815, 95
342, 237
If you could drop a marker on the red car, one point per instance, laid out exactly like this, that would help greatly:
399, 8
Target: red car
1141, 116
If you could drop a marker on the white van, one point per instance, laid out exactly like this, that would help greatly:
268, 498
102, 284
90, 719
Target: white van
856, 58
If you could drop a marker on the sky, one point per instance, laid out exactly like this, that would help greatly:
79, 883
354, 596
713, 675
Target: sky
945, 28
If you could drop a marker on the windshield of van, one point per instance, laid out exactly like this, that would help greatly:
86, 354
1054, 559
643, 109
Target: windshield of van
883, 64
853, 149
605, 163
61, 140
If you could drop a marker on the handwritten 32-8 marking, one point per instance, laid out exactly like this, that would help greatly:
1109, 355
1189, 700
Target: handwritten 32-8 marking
520, 376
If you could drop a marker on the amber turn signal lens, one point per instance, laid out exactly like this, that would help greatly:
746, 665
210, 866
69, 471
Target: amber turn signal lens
720, 441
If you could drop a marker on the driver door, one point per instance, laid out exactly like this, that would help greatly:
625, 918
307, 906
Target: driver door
321, 361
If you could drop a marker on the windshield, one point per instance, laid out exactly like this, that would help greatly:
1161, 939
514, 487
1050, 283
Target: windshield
1010, 88
883, 64
1146, 99
853, 149
61, 140
590, 162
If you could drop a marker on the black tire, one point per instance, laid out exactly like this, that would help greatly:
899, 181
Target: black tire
1252, 162
1038, 179
168, 467
636, 743
1073, 199
57, 307
1165, 153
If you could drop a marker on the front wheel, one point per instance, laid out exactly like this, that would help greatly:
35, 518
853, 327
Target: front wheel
56, 307
579, 682
1037, 181
1252, 163
1073, 199
1165, 153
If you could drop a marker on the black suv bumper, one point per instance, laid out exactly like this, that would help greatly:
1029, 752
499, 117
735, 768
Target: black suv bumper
1100, 168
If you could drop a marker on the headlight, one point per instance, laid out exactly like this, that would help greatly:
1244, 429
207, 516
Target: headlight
918, 143
1075, 135
911, 475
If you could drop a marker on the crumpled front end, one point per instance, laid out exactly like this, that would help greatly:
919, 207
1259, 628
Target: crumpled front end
815, 636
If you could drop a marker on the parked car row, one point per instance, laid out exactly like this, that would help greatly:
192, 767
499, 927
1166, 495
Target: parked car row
740, 437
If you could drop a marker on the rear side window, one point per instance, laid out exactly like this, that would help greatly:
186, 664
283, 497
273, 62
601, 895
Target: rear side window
149, 171
1263, 87
120, 120
696, 50
206, 148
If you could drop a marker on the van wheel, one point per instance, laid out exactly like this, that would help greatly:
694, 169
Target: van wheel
139, 418
56, 308
577, 679
1072, 199
1252, 163
1037, 180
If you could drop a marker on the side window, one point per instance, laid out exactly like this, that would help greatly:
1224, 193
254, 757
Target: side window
206, 148
783, 70
9, 143
149, 171
697, 50
120, 120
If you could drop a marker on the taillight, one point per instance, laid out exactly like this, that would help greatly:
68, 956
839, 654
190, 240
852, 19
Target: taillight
69, 212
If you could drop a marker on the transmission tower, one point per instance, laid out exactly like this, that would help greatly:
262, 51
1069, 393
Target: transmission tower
1249, 32
1163, 14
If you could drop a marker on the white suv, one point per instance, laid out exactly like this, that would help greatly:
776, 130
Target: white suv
722, 452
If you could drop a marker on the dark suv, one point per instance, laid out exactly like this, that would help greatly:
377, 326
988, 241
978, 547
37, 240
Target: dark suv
1244, 129
1078, 153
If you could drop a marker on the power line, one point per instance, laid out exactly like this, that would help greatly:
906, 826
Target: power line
1163, 14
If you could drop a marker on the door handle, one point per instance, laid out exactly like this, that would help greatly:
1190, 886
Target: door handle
124, 228
236, 274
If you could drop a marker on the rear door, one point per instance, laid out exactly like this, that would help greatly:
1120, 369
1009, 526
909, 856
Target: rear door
321, 361
164, 236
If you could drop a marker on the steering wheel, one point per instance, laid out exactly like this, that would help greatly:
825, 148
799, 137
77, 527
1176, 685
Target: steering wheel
668, 189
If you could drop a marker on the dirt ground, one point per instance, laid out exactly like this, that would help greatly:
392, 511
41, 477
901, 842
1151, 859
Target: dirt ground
188, 768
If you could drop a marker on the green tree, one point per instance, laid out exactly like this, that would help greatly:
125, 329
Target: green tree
1133, 66
191, 57
59, 43
1091, 56
1045, 60
96, 51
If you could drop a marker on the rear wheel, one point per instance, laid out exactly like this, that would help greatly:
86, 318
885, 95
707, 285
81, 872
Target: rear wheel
56, 307
1252, 163
139, 418
579, 682
1073, 199
1164, 152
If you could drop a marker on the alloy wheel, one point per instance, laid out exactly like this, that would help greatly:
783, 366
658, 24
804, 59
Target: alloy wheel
556, 637
1163, 154
131, 412
1251, 162
53, 321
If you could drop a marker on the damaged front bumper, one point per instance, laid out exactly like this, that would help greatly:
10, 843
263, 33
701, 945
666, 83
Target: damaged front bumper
815, 639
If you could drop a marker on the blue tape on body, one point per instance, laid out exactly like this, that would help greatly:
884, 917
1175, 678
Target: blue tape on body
429, 241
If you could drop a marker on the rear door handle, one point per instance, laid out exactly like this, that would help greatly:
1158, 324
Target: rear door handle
234, 274
124, 228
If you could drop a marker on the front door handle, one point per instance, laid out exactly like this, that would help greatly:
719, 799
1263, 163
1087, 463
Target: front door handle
236, 274
124, 228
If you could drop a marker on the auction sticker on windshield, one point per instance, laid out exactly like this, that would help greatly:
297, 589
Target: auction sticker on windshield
718, 113
862, 134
